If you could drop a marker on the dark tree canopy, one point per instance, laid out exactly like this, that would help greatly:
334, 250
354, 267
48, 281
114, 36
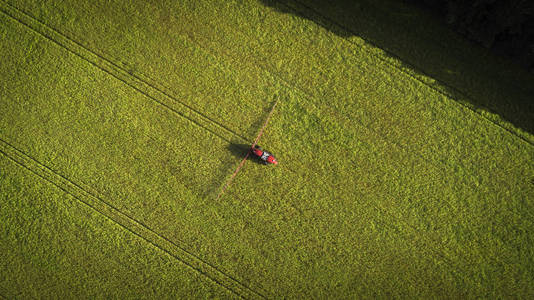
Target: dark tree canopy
504, 25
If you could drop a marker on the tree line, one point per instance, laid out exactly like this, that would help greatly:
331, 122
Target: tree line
506, 26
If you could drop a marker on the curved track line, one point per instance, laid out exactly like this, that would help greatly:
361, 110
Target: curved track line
136, 82
95, 201
333, 23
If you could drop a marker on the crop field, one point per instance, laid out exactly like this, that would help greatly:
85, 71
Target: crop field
406, 154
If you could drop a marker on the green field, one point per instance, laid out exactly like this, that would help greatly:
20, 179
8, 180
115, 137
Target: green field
406, 154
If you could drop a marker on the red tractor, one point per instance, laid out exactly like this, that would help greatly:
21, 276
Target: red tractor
265, 156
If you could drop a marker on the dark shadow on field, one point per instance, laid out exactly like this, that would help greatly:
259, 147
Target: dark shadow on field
420, 39
241, 150
261, 115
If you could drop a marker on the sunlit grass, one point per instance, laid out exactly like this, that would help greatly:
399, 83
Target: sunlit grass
385, 187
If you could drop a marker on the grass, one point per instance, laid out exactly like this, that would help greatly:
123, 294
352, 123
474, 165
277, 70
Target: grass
117, 129
55, 246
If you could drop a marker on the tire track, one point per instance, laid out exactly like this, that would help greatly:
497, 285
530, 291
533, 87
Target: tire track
344, 28
138, 82
94, 200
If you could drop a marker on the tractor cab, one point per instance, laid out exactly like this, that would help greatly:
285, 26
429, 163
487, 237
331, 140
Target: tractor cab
265, 156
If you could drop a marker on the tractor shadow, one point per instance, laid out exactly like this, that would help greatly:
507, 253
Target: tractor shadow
241, 150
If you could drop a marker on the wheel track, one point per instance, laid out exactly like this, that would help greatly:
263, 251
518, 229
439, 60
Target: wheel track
142, 84
91, 198
344, 28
